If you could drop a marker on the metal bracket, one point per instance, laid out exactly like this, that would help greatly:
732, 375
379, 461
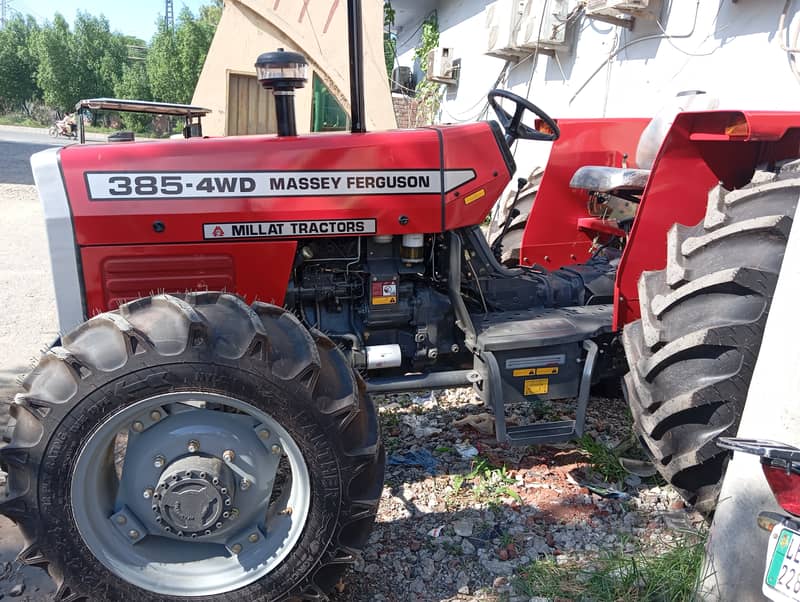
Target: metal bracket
545, 432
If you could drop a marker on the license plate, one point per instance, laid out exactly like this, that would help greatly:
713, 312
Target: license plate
782, 575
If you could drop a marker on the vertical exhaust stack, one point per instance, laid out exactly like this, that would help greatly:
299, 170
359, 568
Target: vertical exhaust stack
283, 72
355, 43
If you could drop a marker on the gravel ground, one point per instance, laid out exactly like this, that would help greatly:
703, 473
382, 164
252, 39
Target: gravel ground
436, 541
460, 531
28, 323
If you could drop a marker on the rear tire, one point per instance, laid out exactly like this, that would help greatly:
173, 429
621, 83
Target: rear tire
511, 241
692, 354
200, 346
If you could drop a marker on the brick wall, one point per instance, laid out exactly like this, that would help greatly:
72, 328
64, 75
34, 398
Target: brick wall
405, 110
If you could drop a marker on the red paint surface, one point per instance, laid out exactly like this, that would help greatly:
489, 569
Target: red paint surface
695, 156
552, 235
256, 270
469, 146
118, 236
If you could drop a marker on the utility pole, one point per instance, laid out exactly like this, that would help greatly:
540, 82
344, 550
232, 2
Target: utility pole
169, 16
5, 6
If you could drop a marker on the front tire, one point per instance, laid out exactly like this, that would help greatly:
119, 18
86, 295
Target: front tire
692, 354
242, 394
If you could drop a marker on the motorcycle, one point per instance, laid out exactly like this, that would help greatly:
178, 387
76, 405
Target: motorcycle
64, 127
781, 466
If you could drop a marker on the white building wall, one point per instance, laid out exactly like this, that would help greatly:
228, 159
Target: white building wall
729, 49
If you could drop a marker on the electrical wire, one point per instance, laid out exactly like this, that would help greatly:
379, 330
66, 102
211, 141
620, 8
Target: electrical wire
646, 38
783, 36
686, 52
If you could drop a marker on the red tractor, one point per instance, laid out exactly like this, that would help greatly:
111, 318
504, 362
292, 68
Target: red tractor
203, 428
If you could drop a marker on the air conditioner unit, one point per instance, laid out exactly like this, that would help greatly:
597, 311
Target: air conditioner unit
621, 8
440, 66
402, 80
543, 24
502, 19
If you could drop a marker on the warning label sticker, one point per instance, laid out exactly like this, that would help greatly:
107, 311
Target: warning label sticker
335, 227
536, 386
384, 292
536, 371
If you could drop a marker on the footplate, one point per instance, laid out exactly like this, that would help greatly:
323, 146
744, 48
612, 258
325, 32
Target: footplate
538, 358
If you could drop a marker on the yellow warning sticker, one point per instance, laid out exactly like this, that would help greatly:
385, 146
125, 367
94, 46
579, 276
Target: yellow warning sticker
471, 198
383, 300
536, 386
535, 371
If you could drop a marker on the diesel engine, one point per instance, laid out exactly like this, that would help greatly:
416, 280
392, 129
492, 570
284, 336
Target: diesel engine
387, 300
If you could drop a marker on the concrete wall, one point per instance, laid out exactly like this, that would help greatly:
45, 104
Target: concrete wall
731, 49
318, 30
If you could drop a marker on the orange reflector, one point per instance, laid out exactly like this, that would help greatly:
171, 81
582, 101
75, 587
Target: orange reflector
541, 126
738, 127
471, 198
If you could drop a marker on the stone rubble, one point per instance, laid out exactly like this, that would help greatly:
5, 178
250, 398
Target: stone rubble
463, 535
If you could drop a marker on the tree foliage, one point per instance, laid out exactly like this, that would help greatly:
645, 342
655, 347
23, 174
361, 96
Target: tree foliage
18, 63
58, 66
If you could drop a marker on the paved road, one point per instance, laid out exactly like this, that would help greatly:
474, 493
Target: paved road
16, 147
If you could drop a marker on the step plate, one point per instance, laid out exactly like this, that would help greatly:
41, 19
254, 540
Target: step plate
546, 432
506, 331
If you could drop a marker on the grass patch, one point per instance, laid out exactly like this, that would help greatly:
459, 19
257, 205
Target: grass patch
668, 577
603, 459
13, 119
488, 483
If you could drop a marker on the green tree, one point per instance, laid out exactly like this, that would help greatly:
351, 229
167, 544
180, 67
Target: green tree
18, 64
55, 73
99, 56
175, 59
134, 84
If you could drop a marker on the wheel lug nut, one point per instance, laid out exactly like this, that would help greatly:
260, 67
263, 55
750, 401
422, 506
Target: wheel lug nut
228, 455
253, 537
155, 415
159, 461
193, 446
276, 449
263, 434
245, 484
137, 426
121, 520
236, 548
147, 493
133, 534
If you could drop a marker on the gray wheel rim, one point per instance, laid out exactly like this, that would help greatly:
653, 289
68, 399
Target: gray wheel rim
108, 511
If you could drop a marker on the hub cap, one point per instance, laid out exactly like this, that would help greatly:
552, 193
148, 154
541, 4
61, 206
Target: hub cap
190, 494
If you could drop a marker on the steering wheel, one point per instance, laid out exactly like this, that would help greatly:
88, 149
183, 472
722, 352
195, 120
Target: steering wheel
513, 126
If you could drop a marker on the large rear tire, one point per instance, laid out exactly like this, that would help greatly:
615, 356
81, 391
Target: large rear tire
193, 448
511, 240
692, 354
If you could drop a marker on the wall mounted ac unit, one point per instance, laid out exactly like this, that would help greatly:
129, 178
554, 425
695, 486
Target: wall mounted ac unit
543, 24
621, 8
402, 80
502, 23
440, 65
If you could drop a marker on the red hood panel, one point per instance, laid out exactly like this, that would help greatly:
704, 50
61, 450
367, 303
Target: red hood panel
264, 187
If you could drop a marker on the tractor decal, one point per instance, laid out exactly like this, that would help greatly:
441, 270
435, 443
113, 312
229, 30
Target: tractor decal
336, 227
109, 186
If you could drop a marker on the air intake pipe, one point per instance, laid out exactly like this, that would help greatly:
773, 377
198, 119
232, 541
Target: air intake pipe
283, 72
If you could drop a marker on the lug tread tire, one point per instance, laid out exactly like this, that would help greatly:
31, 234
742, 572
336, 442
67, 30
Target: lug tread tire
692, 353
172, 342
512, 240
